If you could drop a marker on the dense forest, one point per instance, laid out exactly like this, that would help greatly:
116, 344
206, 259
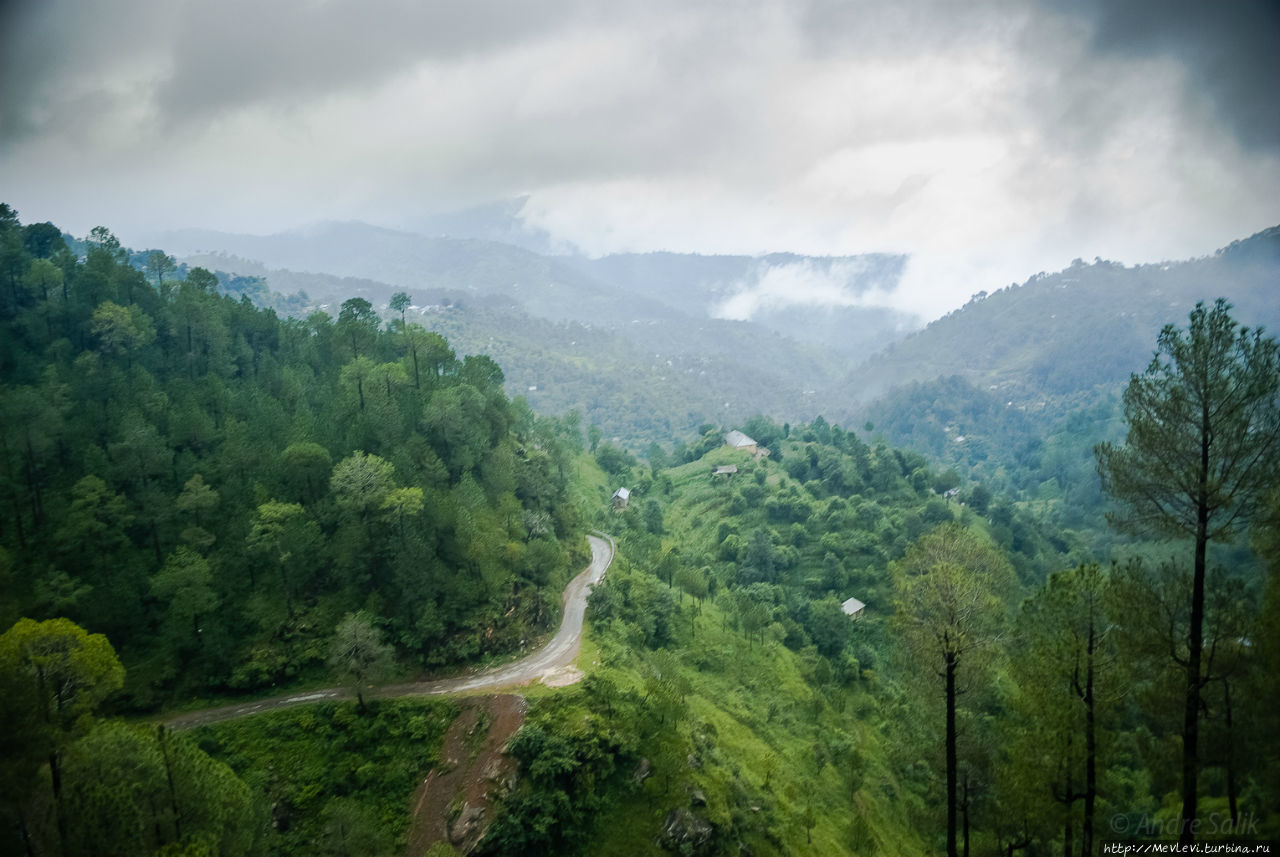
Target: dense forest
641, 373
836, 647
736, 708
214, 487
633, 342
1002, 390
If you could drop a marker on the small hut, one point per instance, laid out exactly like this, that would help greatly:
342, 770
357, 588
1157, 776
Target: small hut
738, 440
620, 498
853, 608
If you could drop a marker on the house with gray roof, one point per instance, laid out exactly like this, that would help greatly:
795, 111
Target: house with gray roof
738, 440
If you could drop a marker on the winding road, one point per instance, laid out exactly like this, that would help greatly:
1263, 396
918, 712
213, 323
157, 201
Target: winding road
545, 663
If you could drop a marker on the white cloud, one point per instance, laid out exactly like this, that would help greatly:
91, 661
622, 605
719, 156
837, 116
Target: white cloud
987, 140
800, 284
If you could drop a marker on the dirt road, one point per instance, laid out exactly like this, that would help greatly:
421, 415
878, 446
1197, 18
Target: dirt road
546, 663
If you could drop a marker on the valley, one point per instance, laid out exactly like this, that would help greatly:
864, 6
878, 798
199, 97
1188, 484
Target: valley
752, 429
340, 480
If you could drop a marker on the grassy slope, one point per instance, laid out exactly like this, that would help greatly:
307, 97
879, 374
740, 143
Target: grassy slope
764, 772
790, 749
324, 775
775, 747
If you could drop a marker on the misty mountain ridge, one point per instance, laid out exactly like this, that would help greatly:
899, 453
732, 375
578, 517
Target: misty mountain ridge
639, 382
1081, 327
816, 299
503, 221
640, 331
824, 301
1015, 388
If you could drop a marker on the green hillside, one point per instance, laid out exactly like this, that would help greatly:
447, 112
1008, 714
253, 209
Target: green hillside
214, 487
732, 707
819, 644
1016, 388
1068, 332
640, 380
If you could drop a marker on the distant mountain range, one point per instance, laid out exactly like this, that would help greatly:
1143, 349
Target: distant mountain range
649, 346
1015, 388
1071, 331
789, 294
671, 347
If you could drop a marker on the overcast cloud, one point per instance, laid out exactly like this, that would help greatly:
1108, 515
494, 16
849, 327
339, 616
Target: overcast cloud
989, 140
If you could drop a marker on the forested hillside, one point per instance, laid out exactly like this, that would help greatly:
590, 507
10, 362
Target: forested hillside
837, 646
629, 343
214, 487
718, 337
815, 301
1016, 388
1064, 333
639, 380
733, 706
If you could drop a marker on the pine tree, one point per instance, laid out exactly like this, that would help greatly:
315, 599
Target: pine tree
948, 618
358, 654
1201, 451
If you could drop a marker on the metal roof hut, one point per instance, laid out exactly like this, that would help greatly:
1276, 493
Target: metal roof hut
738, 440
620, 498
853, 608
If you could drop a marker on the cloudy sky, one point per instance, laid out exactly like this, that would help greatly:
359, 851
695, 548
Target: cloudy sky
989, 140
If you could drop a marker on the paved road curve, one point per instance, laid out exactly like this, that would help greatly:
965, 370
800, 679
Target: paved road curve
556, 655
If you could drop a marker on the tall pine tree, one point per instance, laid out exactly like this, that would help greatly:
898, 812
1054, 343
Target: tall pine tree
1203, 437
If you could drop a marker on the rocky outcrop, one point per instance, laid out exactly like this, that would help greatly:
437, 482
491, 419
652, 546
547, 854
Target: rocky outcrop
685, 832
471, 776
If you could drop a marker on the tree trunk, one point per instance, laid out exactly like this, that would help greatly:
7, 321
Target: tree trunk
173, 791
1230, 760
60, 821
951, 754
28, 845
1016, 846
1090, 749
155, 543
33, 483
55, 775
1195, 643
284, 581
17, 522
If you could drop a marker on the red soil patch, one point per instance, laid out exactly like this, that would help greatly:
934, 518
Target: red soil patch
454, 801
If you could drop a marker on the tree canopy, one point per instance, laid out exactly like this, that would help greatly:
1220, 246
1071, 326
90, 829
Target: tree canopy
214, 487
1201, 455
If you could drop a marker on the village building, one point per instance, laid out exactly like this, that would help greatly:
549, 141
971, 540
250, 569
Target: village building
620, 498
725, 470
738, 440
853, 608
